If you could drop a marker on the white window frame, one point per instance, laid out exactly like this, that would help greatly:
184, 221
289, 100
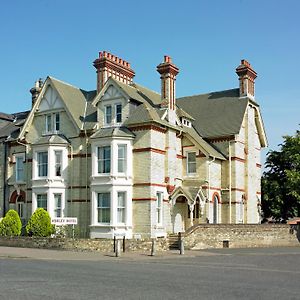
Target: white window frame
104, 208
39, 164
58, 163
188, 163
159, 207
121, 207
20, 158
122, 161
52, 122
106, 115
57, 207
103, 160
57, 121
118, 114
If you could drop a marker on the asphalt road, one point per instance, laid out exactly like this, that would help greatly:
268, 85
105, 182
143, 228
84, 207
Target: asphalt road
270, 273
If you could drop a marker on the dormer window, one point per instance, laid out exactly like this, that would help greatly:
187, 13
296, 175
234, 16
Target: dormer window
186, 122
113, 114
52, 122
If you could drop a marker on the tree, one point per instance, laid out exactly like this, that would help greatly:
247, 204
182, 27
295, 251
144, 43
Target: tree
11, 224
281, 181
40, 224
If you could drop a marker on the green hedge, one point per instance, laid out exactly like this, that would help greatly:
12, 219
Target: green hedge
11, 224
40, 224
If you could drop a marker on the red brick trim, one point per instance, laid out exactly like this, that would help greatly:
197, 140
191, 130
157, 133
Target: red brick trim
143, 199
14, 196
213, 197
148, 127
258, 193
188, 146
205, 187
233, 158
179, 156
237, 189
149, 149
258, 165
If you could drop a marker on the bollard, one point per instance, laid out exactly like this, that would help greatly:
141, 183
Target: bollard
118, 248
124, 243
181, 246
153, 246
114, 244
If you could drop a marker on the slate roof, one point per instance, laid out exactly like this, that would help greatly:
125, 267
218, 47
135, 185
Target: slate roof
216, 114
56, 139
115, 131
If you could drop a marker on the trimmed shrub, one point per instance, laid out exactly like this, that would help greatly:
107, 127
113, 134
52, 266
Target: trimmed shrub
40, 224
11, 224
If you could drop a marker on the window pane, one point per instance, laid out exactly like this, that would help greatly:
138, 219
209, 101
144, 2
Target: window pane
103, 207
42, 201
42, 164
121, 207
48, 123
118, 113
191, 162
58, 156
108, 112
159, 201
104, 159
57, 121
122, 158
57, 205
19, 168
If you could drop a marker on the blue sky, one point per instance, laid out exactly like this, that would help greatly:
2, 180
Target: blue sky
206, 40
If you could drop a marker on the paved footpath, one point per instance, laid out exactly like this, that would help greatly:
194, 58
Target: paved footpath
34, 253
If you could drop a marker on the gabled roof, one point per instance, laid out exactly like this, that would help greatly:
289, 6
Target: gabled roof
216, 114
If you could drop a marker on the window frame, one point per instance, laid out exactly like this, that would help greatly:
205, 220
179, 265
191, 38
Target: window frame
44, 200
106, 209
17, 168
118, 113
57, 121
57, 207
122, 161
121, 208
106, 115
103, 160
58, 163
189, 163
39, 164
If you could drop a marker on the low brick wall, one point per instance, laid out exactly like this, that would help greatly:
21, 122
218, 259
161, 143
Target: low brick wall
101, 245
241, 236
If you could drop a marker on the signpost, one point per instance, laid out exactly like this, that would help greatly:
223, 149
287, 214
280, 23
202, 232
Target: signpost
65, 221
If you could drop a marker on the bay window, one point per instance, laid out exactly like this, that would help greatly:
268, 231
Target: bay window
58, 162
103, 207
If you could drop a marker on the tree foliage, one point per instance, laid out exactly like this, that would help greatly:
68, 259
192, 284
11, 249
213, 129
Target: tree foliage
281, 181
40, 224
11, 224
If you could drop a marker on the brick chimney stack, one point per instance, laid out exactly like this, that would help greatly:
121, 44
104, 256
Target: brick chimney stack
168, 72
109, 65
246, 77
35, 91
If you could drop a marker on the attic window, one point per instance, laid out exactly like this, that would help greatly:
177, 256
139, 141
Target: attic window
186, 122
52, 123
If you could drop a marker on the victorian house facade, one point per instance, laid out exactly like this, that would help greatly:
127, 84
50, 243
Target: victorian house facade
126, 160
